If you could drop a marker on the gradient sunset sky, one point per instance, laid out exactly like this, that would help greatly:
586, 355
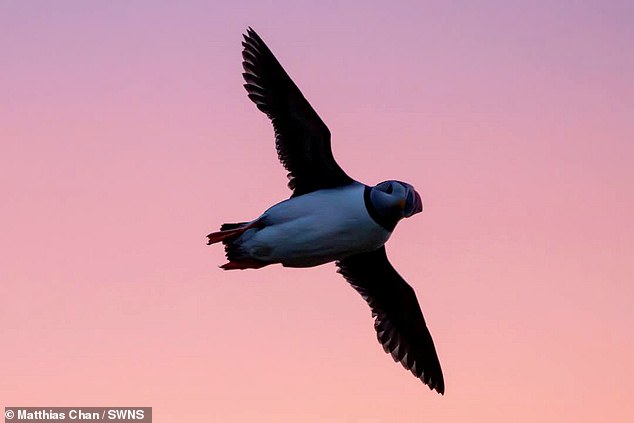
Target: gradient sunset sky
126, 136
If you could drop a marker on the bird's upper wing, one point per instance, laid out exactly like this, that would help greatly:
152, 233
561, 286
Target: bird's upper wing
301, 137
399, 321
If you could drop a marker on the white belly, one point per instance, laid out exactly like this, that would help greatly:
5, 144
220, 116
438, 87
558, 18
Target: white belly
315, 228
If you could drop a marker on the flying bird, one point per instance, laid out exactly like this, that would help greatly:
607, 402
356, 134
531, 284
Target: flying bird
330, 217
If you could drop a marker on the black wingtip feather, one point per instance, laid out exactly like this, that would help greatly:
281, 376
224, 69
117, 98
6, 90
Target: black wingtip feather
249, 68
252, 79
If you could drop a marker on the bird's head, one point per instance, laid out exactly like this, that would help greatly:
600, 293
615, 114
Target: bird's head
394, 200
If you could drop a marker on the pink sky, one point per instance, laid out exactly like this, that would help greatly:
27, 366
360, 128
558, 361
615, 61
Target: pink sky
126, 136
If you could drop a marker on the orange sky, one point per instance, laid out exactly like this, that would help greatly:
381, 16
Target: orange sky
126, 137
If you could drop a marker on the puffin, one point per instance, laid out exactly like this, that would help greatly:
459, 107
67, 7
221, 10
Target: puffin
329, 217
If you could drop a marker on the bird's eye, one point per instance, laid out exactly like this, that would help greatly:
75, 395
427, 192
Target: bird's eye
388, 190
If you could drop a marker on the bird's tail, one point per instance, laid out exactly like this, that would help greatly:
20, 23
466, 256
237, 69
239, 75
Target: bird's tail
228, 232
238, 259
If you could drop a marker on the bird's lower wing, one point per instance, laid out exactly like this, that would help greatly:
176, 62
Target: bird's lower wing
399, 321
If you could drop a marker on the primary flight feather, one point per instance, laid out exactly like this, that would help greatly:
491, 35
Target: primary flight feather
330, 217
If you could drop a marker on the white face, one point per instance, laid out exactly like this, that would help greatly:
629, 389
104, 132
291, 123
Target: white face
396, 200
